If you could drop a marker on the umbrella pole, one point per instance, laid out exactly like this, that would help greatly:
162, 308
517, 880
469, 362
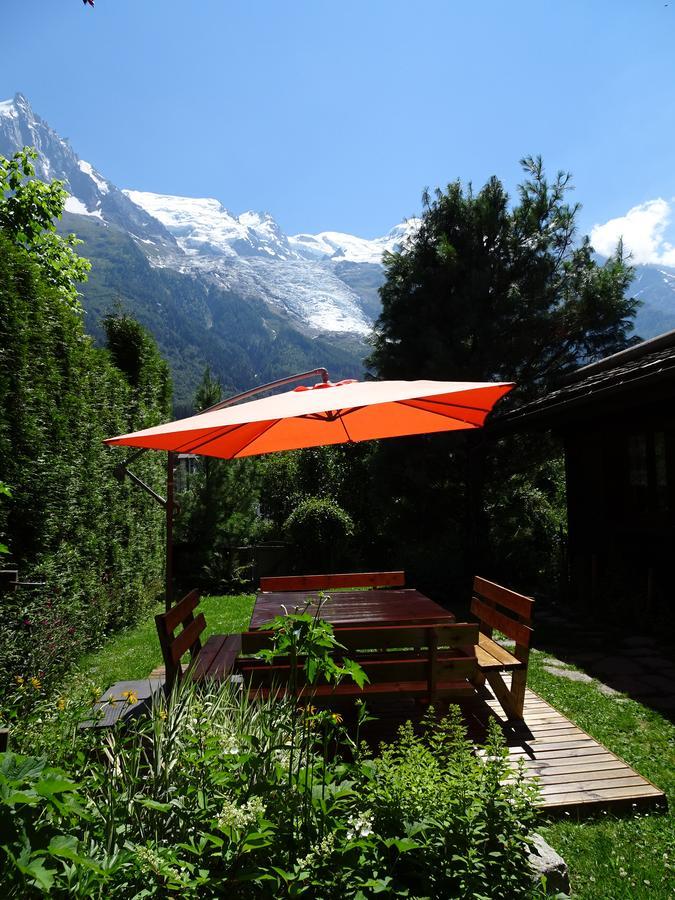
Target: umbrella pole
170, 509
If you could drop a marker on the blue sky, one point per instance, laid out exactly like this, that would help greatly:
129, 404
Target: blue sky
335, 115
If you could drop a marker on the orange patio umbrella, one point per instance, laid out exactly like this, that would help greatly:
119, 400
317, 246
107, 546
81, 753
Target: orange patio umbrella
327, 413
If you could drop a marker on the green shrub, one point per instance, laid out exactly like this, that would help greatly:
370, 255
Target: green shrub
212, 795
95, 545
320, 529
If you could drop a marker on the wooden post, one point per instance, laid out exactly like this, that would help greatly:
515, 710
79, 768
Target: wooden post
170, 508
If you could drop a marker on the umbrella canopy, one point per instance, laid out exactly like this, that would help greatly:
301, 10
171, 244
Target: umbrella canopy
326, 413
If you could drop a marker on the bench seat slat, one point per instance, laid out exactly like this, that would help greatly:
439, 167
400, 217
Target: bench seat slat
444, 689
492, 655
206, 657
224, 662
379, 671
381, 637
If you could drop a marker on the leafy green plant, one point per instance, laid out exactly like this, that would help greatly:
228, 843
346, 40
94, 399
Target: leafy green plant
35, 800
212, 794
305, 637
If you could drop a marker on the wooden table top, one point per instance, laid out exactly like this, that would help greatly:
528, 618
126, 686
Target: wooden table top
399, 607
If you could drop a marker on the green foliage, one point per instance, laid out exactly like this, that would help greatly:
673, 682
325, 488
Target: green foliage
213, 795
488, 290
94, 544
32, 797
219, 510
320, 530
28, 209
484, 291
305, 638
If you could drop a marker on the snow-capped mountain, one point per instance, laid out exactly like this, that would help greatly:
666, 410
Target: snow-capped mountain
250, 253
91, 193
302, 277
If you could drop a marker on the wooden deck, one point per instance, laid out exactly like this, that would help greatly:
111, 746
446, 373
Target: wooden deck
575, 771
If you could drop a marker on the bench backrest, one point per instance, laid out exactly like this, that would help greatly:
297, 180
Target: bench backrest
431, 653
338, 580
188, 638
511, 613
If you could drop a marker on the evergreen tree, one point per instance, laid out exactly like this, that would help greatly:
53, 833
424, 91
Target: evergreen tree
218, 510
484, 291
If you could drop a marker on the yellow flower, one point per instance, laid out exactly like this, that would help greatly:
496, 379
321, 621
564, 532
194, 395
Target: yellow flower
310, 710
35, 682
130, 696
19, 679
162, 714
337, 718
61, 704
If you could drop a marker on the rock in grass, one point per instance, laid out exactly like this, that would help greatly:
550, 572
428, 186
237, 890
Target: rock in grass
545, 862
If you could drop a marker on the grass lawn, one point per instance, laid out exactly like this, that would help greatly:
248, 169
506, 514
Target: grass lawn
134, 653
610, 857
615, 857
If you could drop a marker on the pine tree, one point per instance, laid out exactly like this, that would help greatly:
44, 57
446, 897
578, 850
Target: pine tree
484, 291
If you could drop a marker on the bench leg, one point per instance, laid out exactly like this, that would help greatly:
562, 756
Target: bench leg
505, 697
518, 683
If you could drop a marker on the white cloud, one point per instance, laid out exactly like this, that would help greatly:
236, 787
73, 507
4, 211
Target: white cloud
643, 231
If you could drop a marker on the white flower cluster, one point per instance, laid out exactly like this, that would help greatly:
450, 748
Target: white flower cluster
151, 862
229, 744
360, 826
319, 853
237, 817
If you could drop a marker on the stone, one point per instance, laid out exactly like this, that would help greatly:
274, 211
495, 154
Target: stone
607, 690
568, 673
546, 862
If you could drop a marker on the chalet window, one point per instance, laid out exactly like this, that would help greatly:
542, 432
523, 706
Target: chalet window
647, 474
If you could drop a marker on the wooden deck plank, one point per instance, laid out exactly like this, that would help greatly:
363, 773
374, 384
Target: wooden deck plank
574, 770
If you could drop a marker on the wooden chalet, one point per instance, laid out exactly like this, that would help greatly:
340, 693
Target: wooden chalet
616, 420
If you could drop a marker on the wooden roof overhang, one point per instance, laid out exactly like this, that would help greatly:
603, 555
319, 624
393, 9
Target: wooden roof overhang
641, 378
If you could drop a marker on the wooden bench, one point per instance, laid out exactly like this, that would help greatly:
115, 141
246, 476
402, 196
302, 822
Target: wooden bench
212, 661
497, 607
432, 661
328, 582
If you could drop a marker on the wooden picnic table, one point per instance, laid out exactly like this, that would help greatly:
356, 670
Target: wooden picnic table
399, 607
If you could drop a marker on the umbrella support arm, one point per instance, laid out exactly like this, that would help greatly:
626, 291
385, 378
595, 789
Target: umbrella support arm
280, 382
122, 472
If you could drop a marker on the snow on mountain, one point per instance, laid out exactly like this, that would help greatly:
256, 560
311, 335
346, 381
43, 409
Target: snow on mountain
348, 248
323, 282
250, 253
204, 226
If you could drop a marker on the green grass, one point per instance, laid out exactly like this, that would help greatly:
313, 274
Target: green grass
616, 857
134, 653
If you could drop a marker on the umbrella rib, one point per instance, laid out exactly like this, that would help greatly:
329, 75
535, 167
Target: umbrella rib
414, 400
349, 437
445, 415
184, 447
219, 432
255, 437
